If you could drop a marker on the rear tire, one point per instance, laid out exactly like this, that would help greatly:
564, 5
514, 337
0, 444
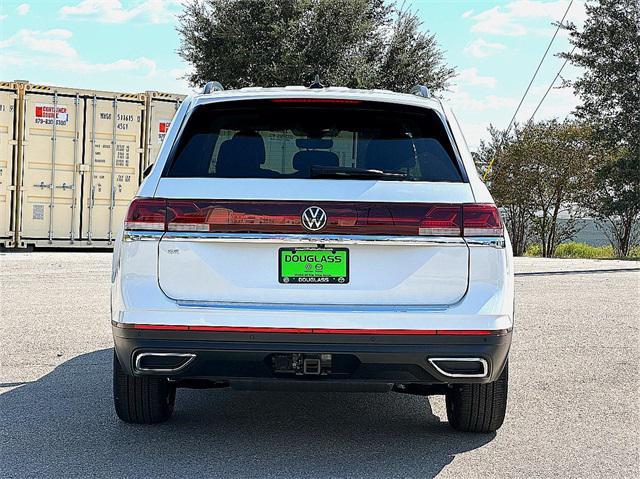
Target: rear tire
141, 400
478, 407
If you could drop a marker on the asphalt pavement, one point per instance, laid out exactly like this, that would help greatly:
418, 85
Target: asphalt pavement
573, 394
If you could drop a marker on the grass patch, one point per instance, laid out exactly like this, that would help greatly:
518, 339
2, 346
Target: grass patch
582, 251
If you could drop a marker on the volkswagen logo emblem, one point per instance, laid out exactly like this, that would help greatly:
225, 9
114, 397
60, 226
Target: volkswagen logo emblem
314, 218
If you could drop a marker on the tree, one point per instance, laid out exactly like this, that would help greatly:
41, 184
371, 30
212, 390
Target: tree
562, 177
542, 172
355, 43
615, 201
608, 49
510, 186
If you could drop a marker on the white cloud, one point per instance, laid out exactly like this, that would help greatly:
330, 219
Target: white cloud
2, 17
141, 65
514, 18
52, 42
174, 80
480, 48
23, 9
467, 14
476, 112
463, 101
558, 103
51, 49
112, 11
74, 64
132, 75
474, 132
470, 76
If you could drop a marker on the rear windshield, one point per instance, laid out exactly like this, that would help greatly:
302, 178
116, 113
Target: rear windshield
343, 139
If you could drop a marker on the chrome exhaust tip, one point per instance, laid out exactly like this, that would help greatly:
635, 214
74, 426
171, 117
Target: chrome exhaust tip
461, 367
164, 362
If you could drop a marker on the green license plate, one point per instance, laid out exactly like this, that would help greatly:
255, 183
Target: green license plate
313, 265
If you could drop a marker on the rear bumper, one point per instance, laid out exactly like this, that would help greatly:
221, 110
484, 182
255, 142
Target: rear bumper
245, 356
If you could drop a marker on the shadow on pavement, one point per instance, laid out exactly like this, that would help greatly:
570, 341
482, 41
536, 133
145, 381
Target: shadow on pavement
63, 425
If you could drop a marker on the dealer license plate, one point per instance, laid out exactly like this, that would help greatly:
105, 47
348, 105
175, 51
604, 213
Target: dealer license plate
313, 265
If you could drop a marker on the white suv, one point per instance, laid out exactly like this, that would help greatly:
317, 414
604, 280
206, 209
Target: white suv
313, 239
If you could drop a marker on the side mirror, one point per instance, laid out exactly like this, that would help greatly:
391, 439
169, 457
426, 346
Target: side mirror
146, 171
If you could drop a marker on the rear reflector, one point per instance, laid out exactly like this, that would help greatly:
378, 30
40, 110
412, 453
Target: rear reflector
342, 218
248, 329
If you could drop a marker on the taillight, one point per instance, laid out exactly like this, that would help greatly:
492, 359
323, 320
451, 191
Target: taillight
481, 220
441, 220
194, 215
393, 219
146, 214
284, 217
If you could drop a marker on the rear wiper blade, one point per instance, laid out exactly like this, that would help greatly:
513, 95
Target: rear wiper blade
348, 173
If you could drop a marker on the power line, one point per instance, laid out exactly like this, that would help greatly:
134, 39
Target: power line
551, 86
528, 87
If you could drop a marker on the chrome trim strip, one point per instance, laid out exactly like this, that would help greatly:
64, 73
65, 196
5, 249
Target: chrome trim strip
314, 239
139, 357
492, 241
353, 308
141, 235
485, 367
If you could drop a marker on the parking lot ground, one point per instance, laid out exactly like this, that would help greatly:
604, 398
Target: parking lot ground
574, 399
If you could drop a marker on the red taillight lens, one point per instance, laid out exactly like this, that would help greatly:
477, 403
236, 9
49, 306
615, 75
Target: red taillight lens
482, 220
146, 214
188, 215
393, 219
441, 220
398, 219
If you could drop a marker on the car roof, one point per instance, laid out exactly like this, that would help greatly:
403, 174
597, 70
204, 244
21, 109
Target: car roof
257, 93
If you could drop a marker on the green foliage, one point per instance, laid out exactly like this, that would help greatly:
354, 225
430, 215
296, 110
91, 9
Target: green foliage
542, 170
354, 43
533, 250
615, 200
510, 187
608, 51
582, 251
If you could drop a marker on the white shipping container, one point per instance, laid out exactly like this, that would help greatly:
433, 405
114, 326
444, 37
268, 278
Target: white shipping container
8, 101
112, 163
69, 178
159, 112
81, 161
51, 155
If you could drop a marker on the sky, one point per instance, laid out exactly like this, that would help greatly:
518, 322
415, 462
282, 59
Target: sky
130, 46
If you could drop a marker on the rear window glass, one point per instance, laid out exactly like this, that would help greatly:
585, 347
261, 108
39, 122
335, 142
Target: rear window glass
309, 139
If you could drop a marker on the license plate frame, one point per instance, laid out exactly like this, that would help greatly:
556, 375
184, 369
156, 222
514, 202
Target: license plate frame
313, 276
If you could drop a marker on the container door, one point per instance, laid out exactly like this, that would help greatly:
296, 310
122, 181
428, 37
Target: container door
7, 125
160, 116
51, 173
112, 159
